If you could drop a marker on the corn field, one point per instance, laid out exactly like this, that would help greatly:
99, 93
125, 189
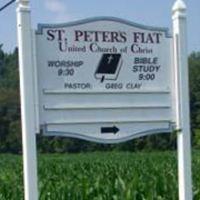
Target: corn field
99, 176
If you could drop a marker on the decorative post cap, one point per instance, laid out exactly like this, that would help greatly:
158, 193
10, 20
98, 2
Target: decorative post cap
23, 5
179, 5
23, 1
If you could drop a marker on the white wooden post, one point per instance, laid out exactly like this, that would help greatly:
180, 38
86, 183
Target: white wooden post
27, 99
182, 100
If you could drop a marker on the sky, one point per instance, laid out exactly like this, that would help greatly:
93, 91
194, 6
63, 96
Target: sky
152, 13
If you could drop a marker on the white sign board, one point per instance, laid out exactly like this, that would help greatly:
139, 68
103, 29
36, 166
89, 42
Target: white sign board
104, 79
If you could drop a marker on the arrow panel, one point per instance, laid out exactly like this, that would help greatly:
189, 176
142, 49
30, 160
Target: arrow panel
93, 132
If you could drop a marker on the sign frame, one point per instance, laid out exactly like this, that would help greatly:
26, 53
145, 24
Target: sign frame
151, 93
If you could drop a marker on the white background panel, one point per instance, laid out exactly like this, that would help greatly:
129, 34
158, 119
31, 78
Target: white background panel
106, 114
119, 98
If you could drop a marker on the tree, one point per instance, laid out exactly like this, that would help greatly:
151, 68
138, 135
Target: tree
194, 71
9, 102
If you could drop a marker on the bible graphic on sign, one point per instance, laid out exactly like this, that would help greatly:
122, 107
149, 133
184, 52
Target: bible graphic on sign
109, 67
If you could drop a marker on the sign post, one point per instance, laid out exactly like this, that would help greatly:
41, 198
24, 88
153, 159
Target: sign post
27, 99
182, 100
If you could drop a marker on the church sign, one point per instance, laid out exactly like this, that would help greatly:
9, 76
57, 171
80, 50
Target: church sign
104, 79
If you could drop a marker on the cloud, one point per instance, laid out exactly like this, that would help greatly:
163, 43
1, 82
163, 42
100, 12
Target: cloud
55, 6
59, 9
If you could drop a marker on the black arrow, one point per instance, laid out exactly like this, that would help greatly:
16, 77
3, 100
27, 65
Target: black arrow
105, 130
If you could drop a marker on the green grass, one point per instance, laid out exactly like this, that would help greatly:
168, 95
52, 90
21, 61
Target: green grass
99, 176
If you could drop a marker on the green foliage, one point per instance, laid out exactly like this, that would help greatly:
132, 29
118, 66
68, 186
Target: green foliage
197, 137
100, 176
11, 178
194, 69
10, 129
